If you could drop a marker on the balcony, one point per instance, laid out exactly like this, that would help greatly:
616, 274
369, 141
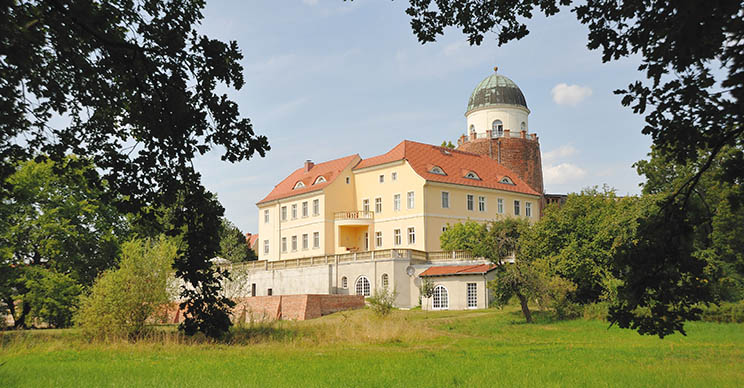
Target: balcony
354, 215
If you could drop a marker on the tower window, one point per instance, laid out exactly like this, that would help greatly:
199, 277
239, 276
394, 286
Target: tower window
523, 126
472, 128
498, 129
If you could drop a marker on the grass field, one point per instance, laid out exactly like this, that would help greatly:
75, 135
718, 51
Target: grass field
480, 348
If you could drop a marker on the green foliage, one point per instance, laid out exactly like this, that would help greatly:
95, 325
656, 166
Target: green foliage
233, 245
53, 297
726, 312
382, 301
577, 240
448, 144
121, 301
495, 240
692, 54
141, 86
557, 292
426, 289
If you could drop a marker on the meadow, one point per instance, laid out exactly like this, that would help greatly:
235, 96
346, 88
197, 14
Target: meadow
479, 348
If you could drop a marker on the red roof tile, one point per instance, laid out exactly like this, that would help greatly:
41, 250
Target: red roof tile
328, 170
252, 239
455, 164
458, 270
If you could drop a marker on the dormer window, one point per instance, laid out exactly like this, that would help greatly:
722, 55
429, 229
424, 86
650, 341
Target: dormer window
472, 175
437, 170
299, 185
319, 179
506, 180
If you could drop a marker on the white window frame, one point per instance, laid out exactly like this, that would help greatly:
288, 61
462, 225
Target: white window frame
305, 241
378, 239
382, 178
437, 303
411, 199
378, 205
305, 209
516, 207
284, 245
365, 205
445, 199
481, 203
316, 207
396, 202
500, 205
472, 295
294, 243
294, 211
411, 234
266, 247
366, 241
470, 202
316, 240
344, 282
385, 280
528, 209
397, 238
284, 213
362, 286
394, 176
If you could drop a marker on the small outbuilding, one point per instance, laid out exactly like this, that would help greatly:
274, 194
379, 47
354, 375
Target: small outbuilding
459, 287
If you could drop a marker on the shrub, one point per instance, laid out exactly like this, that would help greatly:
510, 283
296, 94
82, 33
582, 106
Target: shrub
53, 297
726, 312
122, 300
558, 292
596, 311
381, 301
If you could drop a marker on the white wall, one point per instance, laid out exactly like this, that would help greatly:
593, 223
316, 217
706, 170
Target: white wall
510, 115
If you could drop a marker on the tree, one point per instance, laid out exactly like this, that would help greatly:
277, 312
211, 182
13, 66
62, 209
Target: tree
233, 245
497, 241
448, 144
692, 55
122, 300
57, 217
53, 297
138, 85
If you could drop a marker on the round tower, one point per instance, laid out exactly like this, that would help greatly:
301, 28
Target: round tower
498, 126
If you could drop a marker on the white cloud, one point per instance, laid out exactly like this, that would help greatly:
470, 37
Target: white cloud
563, 151
310, 2
564, 94
563, 173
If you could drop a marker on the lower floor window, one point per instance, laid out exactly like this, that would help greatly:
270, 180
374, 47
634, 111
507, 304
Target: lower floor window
472, 295
362, 286
440, 298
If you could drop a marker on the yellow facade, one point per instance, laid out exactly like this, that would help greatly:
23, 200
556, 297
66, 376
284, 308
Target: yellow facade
380, 207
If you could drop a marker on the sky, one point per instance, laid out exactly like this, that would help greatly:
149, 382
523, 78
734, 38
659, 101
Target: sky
328, 78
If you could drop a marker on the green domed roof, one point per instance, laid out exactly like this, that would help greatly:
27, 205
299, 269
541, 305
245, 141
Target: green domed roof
496, 90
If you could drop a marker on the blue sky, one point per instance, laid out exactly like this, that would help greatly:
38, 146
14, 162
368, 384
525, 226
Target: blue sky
327, 78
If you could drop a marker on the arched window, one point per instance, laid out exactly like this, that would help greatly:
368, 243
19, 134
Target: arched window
299, 185
319, 179
437, 170
472, 175
506, 180
472, 128
385, 280
344, 282
440, 298
362, 286
523, 126
498, 129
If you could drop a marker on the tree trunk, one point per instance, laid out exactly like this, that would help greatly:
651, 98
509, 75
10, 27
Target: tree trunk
525, 308
20, 322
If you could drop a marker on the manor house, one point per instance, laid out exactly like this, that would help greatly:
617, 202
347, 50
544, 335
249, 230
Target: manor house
353, 225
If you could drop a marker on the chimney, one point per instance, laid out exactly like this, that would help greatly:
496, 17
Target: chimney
308, 165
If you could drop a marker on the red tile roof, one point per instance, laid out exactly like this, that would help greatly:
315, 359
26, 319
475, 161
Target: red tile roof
329, 170
423, 157
252, 239
458, 270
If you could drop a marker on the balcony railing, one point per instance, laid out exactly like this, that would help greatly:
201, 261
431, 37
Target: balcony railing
355, 215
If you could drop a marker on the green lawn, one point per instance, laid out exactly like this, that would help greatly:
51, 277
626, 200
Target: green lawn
409, 349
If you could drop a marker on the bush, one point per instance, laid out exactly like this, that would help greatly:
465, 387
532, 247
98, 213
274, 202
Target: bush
122, 300
558, 292
381, 302
53, 297
596, 311
726, 312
